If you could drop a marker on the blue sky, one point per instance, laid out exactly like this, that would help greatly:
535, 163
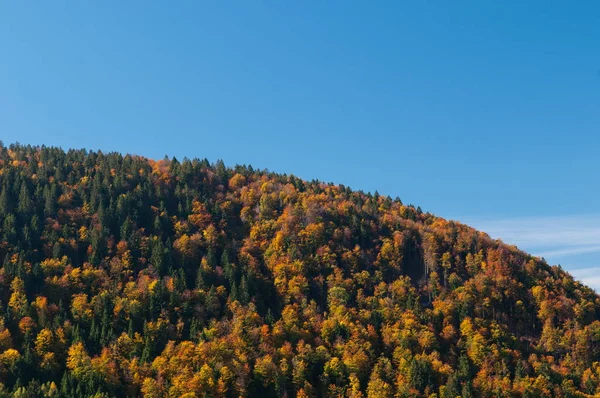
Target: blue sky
486, 112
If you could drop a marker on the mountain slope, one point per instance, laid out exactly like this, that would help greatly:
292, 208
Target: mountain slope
124, 276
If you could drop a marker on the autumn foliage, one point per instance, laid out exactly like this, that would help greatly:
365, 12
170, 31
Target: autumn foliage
124, 276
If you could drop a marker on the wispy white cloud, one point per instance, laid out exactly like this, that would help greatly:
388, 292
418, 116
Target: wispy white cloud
547, 236
589, 276
570, 251
558, 239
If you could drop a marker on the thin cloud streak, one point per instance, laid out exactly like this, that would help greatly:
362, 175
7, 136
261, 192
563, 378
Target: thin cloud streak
557, 239
570, 251
588, 276
547, 236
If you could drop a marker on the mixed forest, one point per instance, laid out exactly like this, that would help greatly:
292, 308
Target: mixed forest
124, 276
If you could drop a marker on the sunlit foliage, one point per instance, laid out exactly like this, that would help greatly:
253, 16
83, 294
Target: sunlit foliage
124, 276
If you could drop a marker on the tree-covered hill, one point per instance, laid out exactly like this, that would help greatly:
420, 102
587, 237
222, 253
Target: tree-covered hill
124, 276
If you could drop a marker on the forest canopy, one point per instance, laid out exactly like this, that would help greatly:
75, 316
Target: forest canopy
126, 276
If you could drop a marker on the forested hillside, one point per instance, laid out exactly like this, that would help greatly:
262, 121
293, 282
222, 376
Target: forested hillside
125, 276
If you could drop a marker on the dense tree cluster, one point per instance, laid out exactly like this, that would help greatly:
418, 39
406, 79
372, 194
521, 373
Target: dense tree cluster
124, 276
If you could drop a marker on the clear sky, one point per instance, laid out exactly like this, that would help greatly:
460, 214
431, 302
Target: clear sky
484, 111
